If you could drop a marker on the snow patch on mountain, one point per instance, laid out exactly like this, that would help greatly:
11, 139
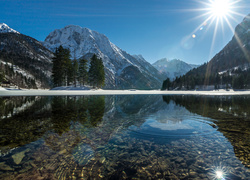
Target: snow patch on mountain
4, 28
24, 73
243, 67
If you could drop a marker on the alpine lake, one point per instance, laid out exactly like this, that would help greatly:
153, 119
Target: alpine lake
125, 137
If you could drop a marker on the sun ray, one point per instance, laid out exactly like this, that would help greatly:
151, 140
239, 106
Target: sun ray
236, 13
211, 23
214, 37
233, 18
222, 27
208, 70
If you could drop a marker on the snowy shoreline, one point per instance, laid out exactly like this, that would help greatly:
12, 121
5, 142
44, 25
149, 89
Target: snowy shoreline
4, 92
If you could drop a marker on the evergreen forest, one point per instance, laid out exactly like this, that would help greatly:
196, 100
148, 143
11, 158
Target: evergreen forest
200, 78
67, 72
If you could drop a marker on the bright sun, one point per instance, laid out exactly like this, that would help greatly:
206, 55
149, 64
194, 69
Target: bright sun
217, 14
220, 8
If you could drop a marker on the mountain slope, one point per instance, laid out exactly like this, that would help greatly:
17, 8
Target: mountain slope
121, 69
173, 68
26, 62
236, 52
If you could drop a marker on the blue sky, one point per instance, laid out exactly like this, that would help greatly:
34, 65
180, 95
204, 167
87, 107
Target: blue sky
153, 28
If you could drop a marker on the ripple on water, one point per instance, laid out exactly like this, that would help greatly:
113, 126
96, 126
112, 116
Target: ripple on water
174, 128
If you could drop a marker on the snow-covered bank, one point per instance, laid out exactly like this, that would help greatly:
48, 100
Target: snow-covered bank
2, 89
117, 92
65, 88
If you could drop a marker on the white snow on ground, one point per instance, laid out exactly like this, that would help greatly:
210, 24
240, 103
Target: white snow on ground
2, 89
65, 88
118, 92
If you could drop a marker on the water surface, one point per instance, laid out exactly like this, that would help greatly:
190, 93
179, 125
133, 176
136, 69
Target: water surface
125, 137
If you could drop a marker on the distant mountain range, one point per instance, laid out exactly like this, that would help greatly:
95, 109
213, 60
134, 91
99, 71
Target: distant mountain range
173, 68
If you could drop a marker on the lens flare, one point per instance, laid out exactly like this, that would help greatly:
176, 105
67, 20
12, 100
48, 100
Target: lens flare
219, 174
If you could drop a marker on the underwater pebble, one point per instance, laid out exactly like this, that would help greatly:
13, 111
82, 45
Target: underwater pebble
5, 167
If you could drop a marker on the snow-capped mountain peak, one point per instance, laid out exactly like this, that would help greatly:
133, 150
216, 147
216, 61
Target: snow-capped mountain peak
4, 28
173, 68
83, 42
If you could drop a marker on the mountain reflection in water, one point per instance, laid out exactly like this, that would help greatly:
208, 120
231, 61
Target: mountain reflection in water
230, 113
124, 137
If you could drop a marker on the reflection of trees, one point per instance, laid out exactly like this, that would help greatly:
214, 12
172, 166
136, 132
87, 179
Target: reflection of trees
62, 114
231, 115
13, 105
86, 110
96, 107
24, 119
1, 107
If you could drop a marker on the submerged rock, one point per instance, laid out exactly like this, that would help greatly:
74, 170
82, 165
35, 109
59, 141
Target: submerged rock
18, 157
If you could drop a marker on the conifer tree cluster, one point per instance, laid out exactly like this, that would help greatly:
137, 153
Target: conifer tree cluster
236, 79
66, 72
96, 72
1, 76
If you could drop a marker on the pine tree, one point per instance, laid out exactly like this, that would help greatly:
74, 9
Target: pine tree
2, 75
166, 84
83, 71
75, 71
96, 72
57, 69
101, 74
62, 70
93, 71
67, 66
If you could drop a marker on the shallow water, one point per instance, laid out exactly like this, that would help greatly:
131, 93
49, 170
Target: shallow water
125, 137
